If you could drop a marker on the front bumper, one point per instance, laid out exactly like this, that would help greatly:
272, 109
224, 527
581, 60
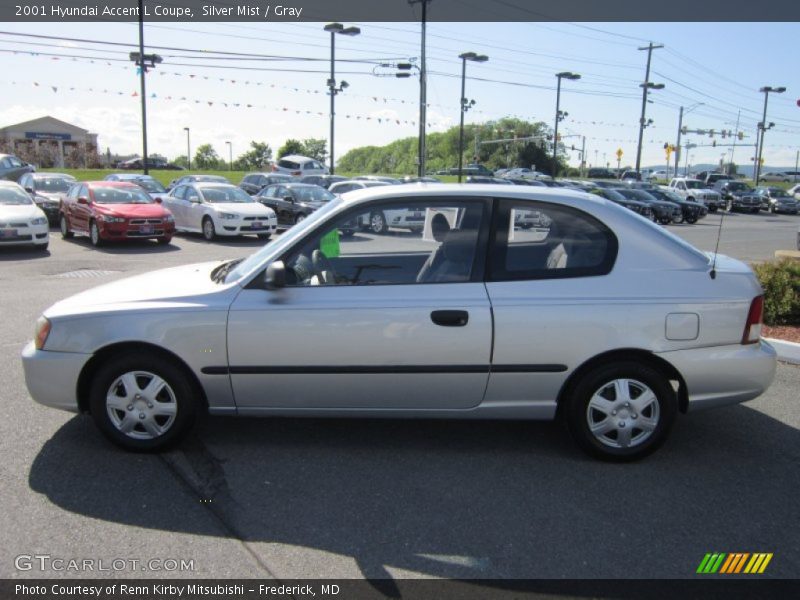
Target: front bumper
24, 234
135, 229
245, 226
724, 375
52, 377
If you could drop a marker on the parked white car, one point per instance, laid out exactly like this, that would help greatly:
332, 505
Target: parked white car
22, 222
597, 315
219, 209
773, 176
694, 189
299, 166
794, 191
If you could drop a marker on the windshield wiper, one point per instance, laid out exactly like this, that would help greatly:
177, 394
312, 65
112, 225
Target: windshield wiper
219, 273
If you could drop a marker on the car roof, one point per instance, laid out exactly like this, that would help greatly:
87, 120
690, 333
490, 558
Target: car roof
297, 158
110, 183
203, 184
131, 176
43, 174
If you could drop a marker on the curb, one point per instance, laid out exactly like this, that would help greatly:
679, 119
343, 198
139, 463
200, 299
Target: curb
787, 351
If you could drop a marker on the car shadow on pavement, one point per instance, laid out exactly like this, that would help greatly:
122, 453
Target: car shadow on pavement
126, 247
454, 499
12, 253
241, 241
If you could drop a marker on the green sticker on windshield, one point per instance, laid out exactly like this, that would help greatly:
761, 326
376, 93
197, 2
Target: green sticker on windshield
329, 244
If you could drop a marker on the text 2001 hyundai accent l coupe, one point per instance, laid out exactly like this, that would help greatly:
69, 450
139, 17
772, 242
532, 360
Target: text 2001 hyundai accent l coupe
594, 314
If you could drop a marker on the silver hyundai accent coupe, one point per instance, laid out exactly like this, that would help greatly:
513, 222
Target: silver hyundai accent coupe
591, 313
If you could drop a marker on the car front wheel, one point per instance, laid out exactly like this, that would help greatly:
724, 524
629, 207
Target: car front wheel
621, 412
142, 402
94, 234
209, 231
377, 223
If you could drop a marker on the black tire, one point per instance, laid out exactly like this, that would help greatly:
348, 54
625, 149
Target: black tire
94, 234
209, 231
63, 224
43, 247
178, 388
164, 240
264, 236
377, 223
691, 220
299, 218
665, 220
598, 380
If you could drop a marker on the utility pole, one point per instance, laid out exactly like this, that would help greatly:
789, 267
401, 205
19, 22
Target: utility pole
735, 135
423, 84
678, 143
645, 86
583, 157
142, 71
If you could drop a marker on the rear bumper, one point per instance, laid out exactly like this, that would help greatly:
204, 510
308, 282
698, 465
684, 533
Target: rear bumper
726, 374
52, 377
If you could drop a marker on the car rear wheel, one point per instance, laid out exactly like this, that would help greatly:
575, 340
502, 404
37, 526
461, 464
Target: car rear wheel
94, 234
691, 220
209, 231
63, 224
377, 222
264, 236
142, 402
622, 411
299, 218
164, 240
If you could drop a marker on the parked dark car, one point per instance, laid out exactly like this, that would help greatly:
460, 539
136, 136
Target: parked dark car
523, 181
252, 183
426, 179
631, 175
325, 181
712, 178
482, 179
47, 190
640, 208
663, 212
381, 178
737, 195
691, 211
152, 163
13, 168
776, 200
293, 202
600, 173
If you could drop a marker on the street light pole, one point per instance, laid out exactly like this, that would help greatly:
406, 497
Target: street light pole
188, 150
645, 86
230, 156
678, 141
559, 116
465, 104
763, 127
335, 28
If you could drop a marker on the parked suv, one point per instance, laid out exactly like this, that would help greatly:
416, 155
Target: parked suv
737, 195
776, 200
298, 166
712, 178
694, 189
13, 168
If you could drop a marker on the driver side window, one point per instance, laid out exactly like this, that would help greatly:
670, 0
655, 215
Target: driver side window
397, 243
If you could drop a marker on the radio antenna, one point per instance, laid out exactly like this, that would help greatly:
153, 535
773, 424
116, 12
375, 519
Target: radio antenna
713, 272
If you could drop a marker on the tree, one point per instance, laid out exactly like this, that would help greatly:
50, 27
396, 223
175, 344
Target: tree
315, 148
291, 146
258, 157
206, 157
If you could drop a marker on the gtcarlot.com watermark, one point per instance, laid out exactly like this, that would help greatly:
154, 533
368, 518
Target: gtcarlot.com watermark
47, 562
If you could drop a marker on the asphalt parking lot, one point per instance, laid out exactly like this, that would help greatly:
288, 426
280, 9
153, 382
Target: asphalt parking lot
288, 498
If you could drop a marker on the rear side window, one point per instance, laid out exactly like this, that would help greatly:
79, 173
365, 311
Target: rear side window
289, 164
538, 240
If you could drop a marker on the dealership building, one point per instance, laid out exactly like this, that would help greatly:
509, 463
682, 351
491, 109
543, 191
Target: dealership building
49, 142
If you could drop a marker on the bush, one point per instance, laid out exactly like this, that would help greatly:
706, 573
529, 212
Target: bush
781, 283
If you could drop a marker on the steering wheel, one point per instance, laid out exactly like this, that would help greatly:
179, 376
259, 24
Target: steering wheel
323, 267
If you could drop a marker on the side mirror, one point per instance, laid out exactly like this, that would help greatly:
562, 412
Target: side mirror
159, 199
83, 200
275, 277
29, 189
288, 199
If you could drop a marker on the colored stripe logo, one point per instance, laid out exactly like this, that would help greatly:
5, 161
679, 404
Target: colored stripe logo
729, 563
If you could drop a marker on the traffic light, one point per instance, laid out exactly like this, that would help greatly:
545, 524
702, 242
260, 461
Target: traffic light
740, 135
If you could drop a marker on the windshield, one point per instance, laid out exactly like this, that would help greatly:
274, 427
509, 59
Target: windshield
217, 194
53, 184
13, 196
120, 195
255, 260
151, 185
694, 185
312, 194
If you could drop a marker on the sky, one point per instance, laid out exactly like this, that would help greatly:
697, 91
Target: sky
716, 68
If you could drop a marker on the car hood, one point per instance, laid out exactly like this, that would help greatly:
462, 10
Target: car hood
178, 287
131, 210
247, 209
22, 211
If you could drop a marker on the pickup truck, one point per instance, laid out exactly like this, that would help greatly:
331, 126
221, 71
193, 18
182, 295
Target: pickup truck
694, 189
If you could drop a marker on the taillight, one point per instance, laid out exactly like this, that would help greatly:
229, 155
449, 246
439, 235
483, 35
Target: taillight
752, 328
42, 331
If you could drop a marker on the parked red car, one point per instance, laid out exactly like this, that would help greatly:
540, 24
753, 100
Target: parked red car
114, 211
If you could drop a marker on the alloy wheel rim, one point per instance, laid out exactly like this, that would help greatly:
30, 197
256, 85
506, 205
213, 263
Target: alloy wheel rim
623, 413
141, 405
377, 223
95, 234
208, 229
64, 229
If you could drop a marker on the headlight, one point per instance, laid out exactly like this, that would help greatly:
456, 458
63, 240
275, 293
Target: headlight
226, 215
42, 331
39, 221
169, 218
108, 219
